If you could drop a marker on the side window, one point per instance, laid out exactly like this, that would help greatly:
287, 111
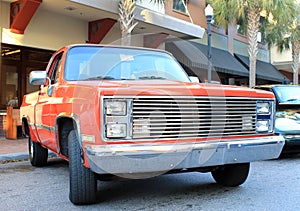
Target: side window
55, 68
180, 5
57, 71
241, 27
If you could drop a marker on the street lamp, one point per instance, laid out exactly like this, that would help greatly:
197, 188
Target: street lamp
209, 13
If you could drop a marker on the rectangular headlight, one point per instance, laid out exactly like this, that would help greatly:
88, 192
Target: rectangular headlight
114, 130
262, 126
263, 108
116, 108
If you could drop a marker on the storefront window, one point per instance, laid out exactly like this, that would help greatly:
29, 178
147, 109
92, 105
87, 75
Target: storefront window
11, 84
16, 64
30, 88
11, 57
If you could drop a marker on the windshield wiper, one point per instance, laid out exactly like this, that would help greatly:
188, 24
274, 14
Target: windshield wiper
99, 78
151, 77
292, 99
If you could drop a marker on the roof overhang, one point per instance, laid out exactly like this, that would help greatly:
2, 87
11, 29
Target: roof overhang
21, 12
168, 24
287, 65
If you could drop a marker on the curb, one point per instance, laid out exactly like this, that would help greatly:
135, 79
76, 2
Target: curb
20, 156
14, 156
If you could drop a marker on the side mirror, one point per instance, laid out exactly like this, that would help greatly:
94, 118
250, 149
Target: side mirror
37, 77
194, 79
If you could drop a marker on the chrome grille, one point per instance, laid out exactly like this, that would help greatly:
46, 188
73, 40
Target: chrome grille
163, 117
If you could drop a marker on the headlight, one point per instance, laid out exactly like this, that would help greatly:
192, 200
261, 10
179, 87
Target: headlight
116, 108
262, 126
116, 119
116, 130
265, 116
263, 108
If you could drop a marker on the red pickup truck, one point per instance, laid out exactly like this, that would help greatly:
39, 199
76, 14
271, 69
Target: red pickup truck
134, 113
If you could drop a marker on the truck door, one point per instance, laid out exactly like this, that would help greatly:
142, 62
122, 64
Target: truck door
44, 117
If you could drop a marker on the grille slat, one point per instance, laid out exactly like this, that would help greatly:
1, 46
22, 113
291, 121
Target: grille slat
184, 125
165, 117
191, 117
237, 114
183, 129
194, 123
213, 135
198, 107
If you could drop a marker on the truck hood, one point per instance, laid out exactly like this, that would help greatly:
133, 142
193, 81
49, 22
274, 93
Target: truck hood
287, 122
172, 88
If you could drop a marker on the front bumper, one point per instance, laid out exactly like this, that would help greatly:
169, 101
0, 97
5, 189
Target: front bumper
292, 139
146, 158
292, 143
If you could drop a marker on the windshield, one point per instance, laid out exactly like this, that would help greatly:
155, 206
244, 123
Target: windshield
287, 94
112, 63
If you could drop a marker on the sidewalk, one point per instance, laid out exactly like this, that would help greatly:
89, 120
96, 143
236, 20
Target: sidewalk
13, 149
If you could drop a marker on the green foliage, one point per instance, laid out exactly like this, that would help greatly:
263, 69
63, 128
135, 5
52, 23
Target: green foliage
226, 11
155, 1
250, 12
159, 1
286, 30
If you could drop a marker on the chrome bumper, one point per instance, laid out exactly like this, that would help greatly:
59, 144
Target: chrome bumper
145, 158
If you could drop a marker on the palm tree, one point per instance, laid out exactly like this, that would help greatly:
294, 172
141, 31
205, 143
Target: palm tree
126, 18
286, 36
226, 11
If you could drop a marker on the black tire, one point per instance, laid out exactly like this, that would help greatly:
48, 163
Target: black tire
38, 155
231, 175
83, 182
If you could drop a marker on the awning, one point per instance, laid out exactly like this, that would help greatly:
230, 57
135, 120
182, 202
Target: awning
264, 70
194, 54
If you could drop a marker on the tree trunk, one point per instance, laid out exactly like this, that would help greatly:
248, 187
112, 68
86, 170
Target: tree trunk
295, 64
252, 31
126, 19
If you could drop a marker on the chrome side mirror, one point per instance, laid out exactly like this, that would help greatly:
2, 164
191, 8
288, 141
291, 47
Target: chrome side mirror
194, 79
38, 77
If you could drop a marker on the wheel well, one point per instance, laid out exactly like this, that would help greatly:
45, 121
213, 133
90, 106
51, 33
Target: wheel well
65, 125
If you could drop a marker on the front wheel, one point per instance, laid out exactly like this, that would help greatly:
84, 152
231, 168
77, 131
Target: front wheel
231, 175
38, 155
83, 182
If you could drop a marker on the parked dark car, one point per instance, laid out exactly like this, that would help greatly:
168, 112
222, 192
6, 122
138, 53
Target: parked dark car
287, 121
